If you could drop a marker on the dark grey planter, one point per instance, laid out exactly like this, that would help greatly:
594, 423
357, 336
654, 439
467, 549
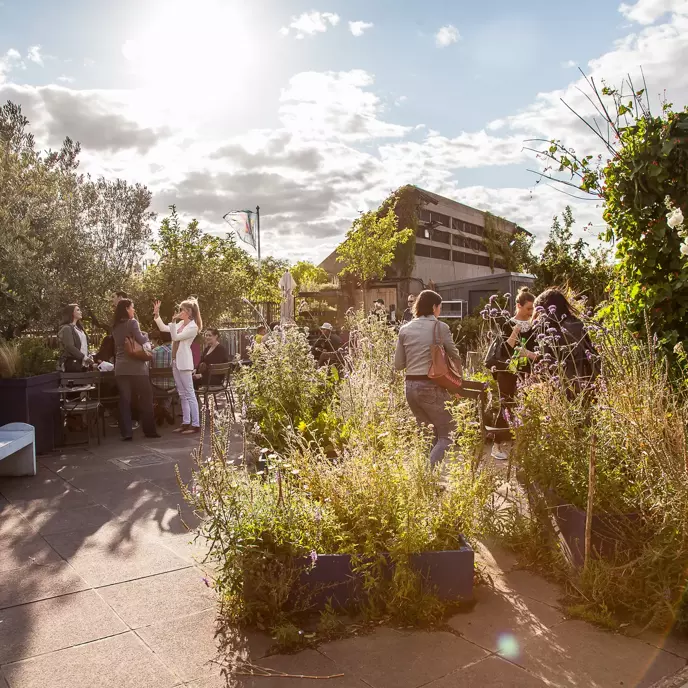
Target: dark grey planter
449, 573
23, 400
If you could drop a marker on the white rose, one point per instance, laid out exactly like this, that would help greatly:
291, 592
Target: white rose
675, 218
684, 249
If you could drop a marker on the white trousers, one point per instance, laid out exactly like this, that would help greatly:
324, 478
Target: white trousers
184, 381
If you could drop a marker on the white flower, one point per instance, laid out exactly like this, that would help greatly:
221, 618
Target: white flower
675, 218
684, 248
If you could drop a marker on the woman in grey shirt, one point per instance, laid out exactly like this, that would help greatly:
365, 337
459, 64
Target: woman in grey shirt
426, 399
131, 374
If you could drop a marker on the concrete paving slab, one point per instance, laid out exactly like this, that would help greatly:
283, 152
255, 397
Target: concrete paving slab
188, 645
528, 584
33, 582
53, 521
31, 549
668, 641
55, 624
96, 482
114, 555
307, 663
136, 501
121, 661
388, 659
492, 672
499, 620
70, 498
159, 598
578, 654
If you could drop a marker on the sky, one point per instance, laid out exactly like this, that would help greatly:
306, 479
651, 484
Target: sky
317, 110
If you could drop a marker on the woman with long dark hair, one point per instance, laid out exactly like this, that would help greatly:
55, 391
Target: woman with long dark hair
426, 399
213, 354
131, 373
183, 334
74, 356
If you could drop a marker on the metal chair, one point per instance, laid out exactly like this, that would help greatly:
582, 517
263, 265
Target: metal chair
84, 406
161, 393
216, 370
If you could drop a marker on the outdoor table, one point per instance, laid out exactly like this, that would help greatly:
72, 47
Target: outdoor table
70, 390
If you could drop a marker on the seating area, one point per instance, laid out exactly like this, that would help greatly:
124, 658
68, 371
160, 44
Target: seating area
88, 400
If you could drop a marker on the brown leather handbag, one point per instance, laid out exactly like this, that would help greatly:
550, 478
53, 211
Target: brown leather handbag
442, 371
134, 350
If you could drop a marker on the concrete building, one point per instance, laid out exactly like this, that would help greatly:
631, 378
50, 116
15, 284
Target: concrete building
449, 247
475, 290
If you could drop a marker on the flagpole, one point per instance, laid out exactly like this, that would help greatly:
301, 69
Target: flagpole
258, 233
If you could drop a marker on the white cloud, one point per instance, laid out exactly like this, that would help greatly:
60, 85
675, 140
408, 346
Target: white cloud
8, 62
310, 23
34, 55
65, 79
568, 64
358, 27
446, 36
649, 11
400, 100
130, 50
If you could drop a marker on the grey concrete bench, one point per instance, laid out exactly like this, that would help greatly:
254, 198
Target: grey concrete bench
17, 449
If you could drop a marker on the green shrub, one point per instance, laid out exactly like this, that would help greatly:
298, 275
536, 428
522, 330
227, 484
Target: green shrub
26, 357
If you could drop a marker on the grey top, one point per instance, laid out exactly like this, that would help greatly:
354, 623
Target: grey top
125, 365
413, 345
70, 342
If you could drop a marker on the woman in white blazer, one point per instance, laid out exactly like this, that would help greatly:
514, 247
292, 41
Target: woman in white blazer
183, 334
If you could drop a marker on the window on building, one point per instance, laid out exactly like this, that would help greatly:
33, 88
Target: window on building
424, 215
440, 253
423, 250
444, 237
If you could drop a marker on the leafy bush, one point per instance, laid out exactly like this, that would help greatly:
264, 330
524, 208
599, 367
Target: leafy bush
26, 357
634, 423
283, 389
377, 494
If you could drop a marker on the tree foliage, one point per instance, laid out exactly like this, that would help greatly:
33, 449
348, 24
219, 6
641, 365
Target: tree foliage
193, 263
307, 276
370, 245
511, 251
646, 168
572, 264
65, 236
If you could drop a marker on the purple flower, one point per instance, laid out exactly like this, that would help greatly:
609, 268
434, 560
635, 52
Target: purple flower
588, 355
314, 556
539, 309
494, 312
507, 295
551, 331
506, 314
206, 581
552, 309
492, 298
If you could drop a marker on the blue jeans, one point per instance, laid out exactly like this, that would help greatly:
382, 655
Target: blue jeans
427, 402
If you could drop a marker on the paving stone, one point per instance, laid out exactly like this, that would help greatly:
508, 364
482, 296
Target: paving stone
32, 549
188, 645
388, 659
492, 672
50, 522
530, 585
70, 498
114, 554
499, 620
97, 482
44, 484
307, 663
33, 582
158, 598
578, 654
138, 500
496, 559
54, 624
670, 642
121, 661
3, 681
74, 471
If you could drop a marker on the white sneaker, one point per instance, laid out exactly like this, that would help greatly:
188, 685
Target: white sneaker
498, 453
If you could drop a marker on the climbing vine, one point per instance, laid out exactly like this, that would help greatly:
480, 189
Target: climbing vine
512, 250
405, 201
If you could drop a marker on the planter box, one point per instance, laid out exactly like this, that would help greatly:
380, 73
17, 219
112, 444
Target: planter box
606, 533
23, 400
332, 578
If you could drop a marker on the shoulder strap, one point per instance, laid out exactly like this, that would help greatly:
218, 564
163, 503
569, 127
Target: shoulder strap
436, 335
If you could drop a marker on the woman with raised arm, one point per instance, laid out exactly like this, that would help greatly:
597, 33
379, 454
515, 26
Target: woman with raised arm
183, 334
131, 373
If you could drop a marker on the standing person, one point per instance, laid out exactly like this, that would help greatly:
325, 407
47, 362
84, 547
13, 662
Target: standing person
213, 354
519, 345
183, 334
408, 313
327, 343
74, 357
426, 399
131, 373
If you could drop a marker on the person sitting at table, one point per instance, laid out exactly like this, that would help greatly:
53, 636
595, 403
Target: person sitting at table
74, 356
213, 353
162, 358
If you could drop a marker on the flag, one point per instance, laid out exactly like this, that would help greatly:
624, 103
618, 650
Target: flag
243, 223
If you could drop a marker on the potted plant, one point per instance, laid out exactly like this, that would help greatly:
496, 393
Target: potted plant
27, 369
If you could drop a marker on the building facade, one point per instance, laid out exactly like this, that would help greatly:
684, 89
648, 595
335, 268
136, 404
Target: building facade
450, 241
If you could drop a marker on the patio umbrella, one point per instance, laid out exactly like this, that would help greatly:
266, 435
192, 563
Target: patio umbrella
287, 286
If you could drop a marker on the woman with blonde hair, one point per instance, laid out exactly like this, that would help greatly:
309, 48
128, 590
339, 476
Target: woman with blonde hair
183, 334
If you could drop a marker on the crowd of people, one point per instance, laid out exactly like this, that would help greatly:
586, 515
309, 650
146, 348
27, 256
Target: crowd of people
542, 328
130, 354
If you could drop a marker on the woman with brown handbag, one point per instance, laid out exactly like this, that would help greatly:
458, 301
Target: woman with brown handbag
131, 371
414, 353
